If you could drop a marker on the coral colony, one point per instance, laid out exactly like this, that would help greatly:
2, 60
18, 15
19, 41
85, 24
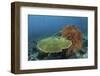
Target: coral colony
73, 33
53, 44
66, 44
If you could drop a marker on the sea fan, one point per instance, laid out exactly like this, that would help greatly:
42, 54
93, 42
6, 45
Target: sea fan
72, 33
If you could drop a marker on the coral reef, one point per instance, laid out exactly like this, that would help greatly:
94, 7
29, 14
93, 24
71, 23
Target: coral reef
68, 43
53, 44
72, 33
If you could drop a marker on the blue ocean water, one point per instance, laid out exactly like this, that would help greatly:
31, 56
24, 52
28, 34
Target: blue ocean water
43, 25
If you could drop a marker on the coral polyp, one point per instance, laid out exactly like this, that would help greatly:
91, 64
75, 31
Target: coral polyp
53, 44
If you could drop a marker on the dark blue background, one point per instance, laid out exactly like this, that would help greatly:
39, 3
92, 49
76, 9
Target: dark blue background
41, 26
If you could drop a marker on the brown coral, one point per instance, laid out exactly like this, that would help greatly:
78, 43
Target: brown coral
73, 33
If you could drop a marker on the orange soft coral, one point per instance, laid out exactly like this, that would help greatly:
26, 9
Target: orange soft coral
73, 33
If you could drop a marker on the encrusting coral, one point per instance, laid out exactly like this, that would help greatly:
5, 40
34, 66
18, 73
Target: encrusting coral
72, 33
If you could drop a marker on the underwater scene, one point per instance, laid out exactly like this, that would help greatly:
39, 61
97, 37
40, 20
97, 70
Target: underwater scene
57, 37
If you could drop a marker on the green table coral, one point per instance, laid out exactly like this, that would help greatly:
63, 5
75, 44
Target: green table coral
53, 44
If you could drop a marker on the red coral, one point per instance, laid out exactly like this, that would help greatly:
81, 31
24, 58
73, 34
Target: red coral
73, 33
